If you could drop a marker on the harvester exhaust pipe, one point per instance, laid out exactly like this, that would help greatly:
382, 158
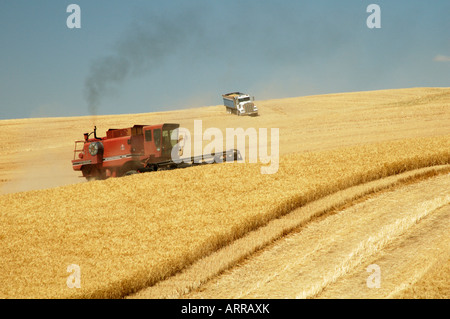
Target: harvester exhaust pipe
95, 133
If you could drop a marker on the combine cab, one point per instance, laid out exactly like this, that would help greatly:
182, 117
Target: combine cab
137, 149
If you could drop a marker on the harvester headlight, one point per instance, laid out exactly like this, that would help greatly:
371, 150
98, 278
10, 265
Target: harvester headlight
95, 148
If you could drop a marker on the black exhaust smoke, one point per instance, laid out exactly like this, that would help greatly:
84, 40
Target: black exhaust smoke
141, 48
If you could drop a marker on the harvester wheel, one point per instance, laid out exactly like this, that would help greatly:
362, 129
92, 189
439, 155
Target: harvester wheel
92, 173
132, 172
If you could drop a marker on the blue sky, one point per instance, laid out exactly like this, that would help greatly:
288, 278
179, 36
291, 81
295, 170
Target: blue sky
148, 56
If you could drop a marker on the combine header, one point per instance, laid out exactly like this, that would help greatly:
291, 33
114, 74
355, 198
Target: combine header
138, 149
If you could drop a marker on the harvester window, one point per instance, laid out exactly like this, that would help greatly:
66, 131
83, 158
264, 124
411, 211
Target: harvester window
167, 135
148, 135
157, 136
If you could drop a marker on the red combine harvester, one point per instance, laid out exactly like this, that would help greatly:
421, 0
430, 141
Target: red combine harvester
137, 149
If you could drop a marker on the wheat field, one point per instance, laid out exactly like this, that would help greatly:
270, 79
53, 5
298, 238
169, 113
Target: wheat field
130, 233
218, 274
329, 256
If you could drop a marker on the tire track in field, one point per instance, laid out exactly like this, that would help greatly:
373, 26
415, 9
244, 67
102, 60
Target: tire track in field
328, 252
403, 263
202, 273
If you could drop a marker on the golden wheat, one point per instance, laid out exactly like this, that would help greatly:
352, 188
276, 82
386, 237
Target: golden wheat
434, 284
311, 256
375, 244
36, 153
205, 269
131, 232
